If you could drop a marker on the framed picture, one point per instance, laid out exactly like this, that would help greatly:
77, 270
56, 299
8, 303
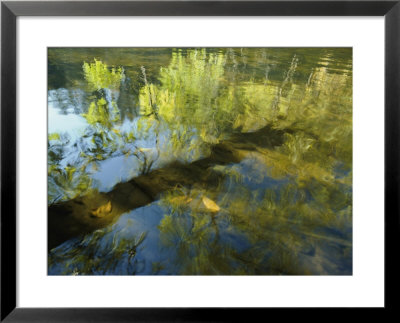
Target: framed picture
197, 160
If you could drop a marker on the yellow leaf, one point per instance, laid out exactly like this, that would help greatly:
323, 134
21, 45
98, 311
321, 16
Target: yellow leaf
102, 210
210, 204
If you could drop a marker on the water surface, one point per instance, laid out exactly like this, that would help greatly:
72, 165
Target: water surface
200, 161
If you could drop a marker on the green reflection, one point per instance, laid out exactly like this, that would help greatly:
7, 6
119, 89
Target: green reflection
247, 151
99, 76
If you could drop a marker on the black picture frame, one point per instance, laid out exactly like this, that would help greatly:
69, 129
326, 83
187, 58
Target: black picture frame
10, 10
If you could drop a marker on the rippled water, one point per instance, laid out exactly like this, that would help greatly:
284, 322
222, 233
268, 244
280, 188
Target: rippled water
200, 161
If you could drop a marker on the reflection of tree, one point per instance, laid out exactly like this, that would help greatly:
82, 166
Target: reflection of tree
101, 140
68, 100
295, 132
186, 99
99, 76
68, 218
64, 181
192, 230
316, 120
198, 106
101, 252
284, 220
280, 226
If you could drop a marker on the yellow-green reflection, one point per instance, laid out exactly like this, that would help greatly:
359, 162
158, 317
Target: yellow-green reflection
247, 153
100, 76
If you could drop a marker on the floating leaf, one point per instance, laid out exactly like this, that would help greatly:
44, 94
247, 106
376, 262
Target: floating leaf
210, 204
102, 210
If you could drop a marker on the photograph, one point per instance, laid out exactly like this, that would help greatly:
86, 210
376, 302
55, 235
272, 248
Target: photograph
154, 151
199, 161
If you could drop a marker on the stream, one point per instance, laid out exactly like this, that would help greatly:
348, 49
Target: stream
199, 161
